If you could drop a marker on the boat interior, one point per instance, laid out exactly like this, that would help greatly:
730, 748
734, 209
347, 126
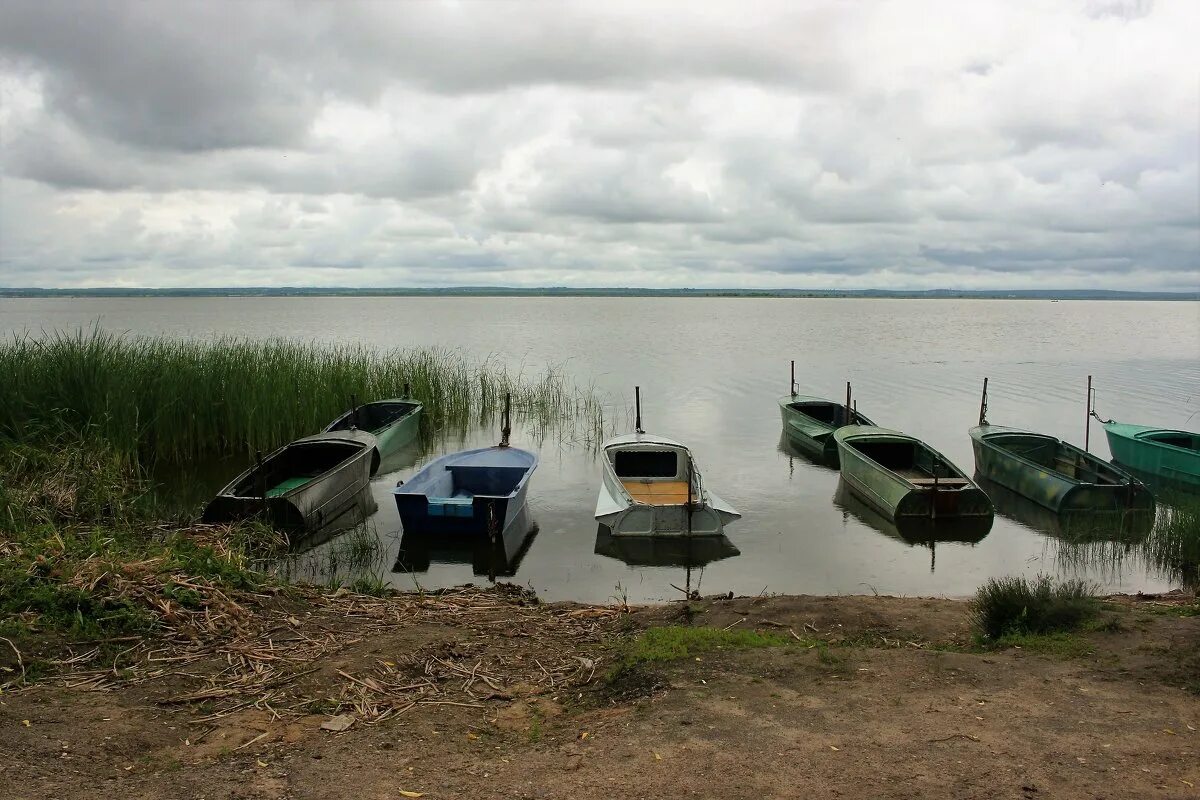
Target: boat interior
1051, 454
469, 480
296, 465
656, 477
833, 414
1183, 439
912, 461
373, 416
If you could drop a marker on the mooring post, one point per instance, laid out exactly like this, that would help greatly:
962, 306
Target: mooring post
983, 404
793, 383
849, 410
507, 429
407, 389
1087, 426
354, 410
637, 404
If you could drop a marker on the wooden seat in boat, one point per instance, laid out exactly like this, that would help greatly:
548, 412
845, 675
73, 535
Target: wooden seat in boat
657, 493
942, 483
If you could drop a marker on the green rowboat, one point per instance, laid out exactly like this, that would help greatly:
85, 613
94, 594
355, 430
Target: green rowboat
810, 422
394, 423
1074, 527
1053, 473
1164, 453
901, 476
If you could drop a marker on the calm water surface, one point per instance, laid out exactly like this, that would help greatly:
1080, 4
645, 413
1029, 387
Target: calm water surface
711, 371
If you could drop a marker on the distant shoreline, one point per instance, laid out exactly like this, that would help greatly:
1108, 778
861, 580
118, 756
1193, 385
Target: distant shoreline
502, 291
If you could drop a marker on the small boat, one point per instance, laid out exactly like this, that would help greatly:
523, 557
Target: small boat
663, 551
1051, 472
1172, 455
472, 492
303, 486
652, 487
901, 476
394, 423
809, 422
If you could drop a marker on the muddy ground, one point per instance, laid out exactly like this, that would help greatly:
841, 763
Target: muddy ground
491, 694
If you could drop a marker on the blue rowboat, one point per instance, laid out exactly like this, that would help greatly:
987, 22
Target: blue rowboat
472, 492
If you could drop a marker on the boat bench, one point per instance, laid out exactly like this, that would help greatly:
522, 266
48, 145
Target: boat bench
949, 483
477, 479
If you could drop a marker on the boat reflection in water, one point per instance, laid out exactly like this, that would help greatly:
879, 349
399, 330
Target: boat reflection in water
498, 556
663, 551
1127, 526
796, 453
915, 531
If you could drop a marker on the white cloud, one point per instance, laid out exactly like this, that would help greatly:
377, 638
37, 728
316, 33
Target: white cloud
984, 144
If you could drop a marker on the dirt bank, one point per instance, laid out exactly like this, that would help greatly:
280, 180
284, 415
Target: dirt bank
481, 694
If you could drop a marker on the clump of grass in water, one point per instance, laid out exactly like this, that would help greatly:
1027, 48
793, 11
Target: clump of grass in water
1016, 606
174, 401
1174, 542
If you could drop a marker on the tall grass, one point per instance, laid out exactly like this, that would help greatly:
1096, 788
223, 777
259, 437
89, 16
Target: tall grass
173, 401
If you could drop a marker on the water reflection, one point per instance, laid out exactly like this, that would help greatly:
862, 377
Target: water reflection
1078, 527
914, 531
664, 551
494, 557
794, 452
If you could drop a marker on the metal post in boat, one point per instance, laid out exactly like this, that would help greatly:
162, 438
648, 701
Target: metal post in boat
1087, 430
933, 498
793, 385
983, 404
849, 412
354, 411
637, 404
407, 389
262, 478
507, 429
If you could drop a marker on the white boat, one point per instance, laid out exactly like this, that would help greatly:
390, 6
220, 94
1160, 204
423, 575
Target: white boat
651, 487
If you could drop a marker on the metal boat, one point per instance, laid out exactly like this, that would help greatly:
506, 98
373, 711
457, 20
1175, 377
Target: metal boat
474, 492
809, 422
651, 486
394, 423
901, 476
1052, 472
303, 486
1172, 455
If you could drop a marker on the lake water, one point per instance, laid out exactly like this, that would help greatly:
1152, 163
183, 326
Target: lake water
711, 372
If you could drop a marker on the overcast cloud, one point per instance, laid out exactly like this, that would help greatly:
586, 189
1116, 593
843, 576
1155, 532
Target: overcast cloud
860, 145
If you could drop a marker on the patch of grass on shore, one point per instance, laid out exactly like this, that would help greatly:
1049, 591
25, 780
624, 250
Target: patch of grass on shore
674, 642
1008, 607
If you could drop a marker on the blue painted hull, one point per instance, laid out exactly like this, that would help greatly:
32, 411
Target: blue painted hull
475, 492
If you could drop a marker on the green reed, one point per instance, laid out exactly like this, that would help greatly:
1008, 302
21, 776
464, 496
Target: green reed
1174, 543
174, 401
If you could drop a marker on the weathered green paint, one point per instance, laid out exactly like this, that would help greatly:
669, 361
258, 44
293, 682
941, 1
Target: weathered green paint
896, 496
1053, 473
812, 435
1143, 448
392, 434
913, 530
399, 433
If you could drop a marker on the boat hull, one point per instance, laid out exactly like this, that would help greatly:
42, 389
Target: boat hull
811, 435
321, 501
1099, 487
1131, 447
897, 497
476, 492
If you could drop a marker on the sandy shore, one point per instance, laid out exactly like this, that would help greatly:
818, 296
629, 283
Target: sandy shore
482, 694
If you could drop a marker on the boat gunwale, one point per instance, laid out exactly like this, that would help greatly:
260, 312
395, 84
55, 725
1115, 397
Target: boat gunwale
416, 408
1142, 435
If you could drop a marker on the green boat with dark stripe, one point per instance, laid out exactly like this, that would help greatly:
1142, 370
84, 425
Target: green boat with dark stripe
901, 476
810, 422
1054, 474
1171, 455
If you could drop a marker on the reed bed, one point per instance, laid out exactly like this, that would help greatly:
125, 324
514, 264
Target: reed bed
173, 401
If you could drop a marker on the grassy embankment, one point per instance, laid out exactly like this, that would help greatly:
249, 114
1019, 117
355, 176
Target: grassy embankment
89, 549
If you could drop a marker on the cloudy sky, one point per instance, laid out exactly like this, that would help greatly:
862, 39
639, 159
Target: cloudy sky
719, 144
